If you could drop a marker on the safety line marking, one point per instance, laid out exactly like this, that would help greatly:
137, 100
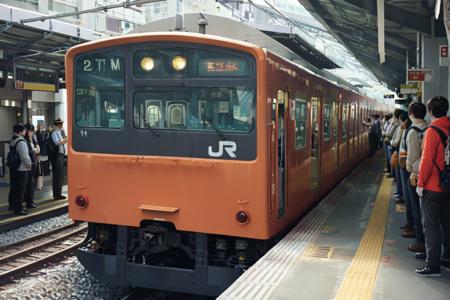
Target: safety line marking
359, 282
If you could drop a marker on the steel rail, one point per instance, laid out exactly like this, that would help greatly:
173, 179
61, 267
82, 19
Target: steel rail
33, 257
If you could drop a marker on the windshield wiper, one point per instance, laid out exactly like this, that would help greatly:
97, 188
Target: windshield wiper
217, 130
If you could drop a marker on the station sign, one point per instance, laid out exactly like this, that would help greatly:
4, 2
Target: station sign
443, 56
420, 75
34, 86
409, 89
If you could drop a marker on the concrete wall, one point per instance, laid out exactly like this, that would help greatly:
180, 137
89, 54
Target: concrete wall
439, 86
7, 120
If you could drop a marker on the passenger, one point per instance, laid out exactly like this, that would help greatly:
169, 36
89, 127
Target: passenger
373, 125
386, 125
19, 177
58, 160
395, 143
42, 136
434, 200
378, 127
33, 151
408, 229
414, 138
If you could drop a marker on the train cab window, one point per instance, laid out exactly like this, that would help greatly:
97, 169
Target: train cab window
229, 109
344, 121
99, 85
300, 123
326, 122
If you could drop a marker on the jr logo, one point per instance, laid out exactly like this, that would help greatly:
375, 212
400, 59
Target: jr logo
229, 146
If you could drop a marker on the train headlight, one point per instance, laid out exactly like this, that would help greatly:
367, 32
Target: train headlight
179, 63
147, 64
82, 201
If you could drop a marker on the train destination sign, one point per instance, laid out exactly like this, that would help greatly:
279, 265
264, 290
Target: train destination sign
109, 64
223, 67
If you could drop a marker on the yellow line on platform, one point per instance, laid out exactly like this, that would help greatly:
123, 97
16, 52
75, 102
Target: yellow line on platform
359, 282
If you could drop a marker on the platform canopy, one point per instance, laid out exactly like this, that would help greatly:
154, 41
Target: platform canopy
40, 44
354, 23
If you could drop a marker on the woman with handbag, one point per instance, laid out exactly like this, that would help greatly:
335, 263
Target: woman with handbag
33, 149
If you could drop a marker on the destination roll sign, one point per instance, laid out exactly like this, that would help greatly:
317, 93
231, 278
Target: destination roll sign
105, 64
223, 67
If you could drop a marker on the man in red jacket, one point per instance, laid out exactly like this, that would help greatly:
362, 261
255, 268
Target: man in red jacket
435, 202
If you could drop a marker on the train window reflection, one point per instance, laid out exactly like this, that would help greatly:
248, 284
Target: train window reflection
326, 122
198, 108
300, 123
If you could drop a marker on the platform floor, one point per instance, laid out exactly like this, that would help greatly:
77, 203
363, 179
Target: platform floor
46, 205
348, 247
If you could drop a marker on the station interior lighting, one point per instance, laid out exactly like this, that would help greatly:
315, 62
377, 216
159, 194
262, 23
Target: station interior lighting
179, 63
147, 64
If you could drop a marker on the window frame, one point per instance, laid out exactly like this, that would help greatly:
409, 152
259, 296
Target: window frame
329, 122
305, 103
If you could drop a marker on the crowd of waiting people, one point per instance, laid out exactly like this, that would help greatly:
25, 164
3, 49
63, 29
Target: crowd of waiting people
418, 160
31, 153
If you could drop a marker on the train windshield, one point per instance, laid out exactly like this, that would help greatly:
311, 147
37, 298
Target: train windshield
201, 108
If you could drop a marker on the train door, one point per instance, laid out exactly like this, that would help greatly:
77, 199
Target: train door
315, 144
282, 100
335, 132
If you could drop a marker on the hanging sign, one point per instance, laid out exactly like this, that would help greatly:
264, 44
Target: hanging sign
443, 55
420, 75
409, 89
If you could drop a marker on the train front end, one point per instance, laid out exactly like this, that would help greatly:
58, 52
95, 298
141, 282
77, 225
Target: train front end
167, 161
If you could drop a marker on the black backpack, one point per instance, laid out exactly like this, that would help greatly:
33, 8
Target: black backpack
13, 159
444, 174
420, 134
52, 148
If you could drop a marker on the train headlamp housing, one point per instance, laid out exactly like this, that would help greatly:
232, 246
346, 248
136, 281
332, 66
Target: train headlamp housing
147, 64
82, 201
179, 63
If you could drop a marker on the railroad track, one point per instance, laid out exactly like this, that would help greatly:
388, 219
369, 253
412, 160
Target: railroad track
32, 253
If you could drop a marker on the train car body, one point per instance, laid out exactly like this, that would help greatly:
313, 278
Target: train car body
189, 154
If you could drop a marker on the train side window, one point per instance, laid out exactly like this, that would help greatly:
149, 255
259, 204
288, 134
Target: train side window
326, 122
300, 123
344, 121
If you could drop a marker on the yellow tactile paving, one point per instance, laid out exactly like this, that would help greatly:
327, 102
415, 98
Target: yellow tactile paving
360, 279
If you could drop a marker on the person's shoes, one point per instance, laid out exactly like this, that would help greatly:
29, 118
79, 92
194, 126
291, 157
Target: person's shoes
389, 176
31, 205
400, 201
445, 264
21, 213
416, 247
409, 234
406, 227
427, 271
60, 197
420, 255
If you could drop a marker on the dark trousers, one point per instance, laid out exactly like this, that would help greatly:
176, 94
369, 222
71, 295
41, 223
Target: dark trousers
30, 189
58, 173
404, 177
416, 212
19, 181
388, 157
373, 144
436, 225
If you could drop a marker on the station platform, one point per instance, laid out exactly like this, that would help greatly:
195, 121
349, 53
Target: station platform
348, 247
46, 206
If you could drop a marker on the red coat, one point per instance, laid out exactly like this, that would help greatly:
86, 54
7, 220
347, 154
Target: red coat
433, 151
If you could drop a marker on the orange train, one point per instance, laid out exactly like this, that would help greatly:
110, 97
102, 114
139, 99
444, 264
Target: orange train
190, 154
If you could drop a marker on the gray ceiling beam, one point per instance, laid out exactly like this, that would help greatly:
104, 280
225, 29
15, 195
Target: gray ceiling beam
395, 14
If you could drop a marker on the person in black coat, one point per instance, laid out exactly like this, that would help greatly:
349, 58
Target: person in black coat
33, 149
42, 136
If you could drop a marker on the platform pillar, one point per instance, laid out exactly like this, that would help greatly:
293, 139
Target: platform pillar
439, 85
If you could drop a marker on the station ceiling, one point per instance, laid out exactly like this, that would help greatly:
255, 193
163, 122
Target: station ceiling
354, 23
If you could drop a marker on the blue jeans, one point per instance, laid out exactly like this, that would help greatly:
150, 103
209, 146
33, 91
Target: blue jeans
388, 157
404, 177
417, 215
399, 191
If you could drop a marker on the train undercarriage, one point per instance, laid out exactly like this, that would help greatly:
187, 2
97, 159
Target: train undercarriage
157, 256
